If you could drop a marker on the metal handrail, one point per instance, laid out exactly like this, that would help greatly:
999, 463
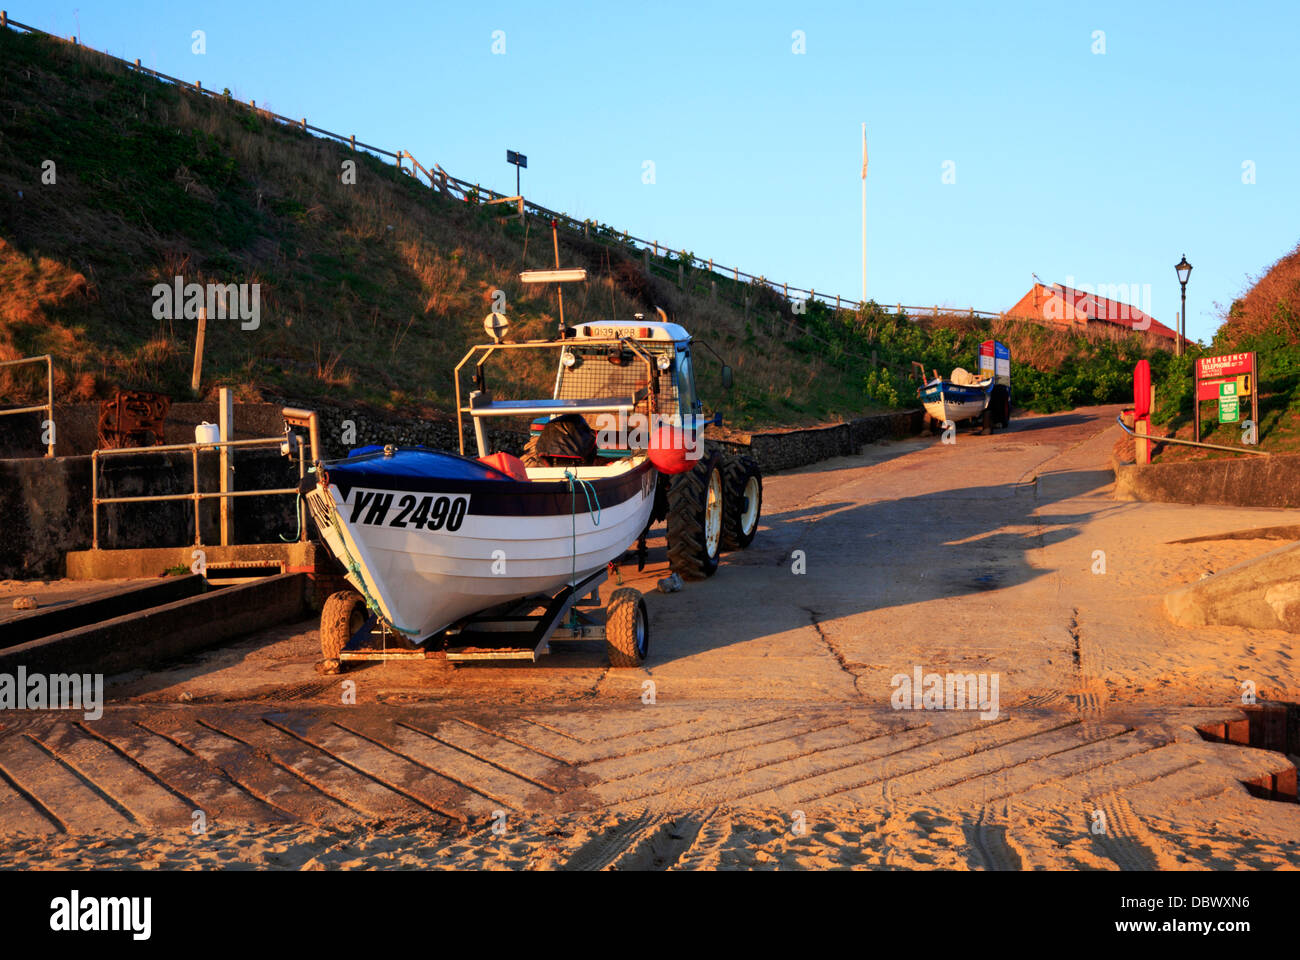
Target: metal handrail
48, 406
198, 495
1188, 443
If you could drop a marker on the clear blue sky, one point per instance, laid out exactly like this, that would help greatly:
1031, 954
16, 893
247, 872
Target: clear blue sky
1100, 167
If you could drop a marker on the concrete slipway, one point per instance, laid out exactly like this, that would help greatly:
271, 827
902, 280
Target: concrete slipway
772, 688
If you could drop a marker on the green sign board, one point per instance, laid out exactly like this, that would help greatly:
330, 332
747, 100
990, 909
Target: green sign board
1228, 389
1229, 409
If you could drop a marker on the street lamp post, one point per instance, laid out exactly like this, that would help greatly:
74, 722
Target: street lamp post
1184, 270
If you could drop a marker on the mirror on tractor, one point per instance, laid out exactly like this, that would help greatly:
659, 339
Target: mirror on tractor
726, 377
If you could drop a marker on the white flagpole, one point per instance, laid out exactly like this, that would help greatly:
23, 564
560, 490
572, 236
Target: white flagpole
864, 213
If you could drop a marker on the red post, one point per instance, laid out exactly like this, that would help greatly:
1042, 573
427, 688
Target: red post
1143, 401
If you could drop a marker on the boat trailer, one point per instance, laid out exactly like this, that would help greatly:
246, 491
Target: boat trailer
508, 632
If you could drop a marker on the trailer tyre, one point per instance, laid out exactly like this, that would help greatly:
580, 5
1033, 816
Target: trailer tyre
695, 509
742, 502
343, 615
627, 629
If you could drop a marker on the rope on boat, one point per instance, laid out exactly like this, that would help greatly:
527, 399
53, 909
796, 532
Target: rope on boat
589, 492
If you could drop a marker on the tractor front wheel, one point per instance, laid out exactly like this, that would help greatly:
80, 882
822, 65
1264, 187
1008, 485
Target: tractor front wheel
695, 510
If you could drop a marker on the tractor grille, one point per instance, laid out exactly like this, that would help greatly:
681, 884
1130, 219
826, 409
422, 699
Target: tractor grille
594, 376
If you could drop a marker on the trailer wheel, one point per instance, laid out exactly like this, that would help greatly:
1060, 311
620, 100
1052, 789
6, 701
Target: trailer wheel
343, 615
742, 502
695, 507
627, 629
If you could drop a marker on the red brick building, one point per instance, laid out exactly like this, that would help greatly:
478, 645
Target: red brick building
1061, 306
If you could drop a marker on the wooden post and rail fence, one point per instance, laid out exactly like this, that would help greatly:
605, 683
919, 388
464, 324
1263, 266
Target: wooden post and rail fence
661, 259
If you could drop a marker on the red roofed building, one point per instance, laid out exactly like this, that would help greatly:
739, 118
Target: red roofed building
1061, 306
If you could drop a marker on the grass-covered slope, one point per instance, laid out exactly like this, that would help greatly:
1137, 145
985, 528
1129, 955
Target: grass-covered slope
1265, 320
370, 292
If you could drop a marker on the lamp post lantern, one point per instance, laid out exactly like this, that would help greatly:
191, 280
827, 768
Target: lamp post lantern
1184, 270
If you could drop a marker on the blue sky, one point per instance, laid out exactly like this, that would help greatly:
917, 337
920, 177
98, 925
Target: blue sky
1102, 168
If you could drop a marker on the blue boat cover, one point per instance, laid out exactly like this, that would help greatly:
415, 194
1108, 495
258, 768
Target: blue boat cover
410, 462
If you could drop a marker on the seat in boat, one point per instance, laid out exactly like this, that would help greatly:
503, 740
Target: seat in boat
566, 441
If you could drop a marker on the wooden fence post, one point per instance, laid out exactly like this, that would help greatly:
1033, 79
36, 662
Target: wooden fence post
353, 140
197, 374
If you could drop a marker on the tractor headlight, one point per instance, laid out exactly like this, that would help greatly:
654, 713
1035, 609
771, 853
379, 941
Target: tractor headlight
568, 358
664, 361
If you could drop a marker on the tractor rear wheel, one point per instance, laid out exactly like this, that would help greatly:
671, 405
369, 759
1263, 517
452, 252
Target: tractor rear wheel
742, 502
695, 509
343, 615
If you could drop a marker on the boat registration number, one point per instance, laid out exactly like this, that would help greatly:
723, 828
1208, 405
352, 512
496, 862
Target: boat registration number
423, 512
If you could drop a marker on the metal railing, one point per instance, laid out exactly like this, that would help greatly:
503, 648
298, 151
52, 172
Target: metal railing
47, 406
198, 495
441, 181
1153, 440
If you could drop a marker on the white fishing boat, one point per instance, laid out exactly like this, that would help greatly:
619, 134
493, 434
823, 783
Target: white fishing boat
491, 557
969, 396
428, 538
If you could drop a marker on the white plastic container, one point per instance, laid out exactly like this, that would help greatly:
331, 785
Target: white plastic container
207, 433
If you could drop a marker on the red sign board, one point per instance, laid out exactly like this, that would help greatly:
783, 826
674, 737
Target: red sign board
1228, 365
1209, 389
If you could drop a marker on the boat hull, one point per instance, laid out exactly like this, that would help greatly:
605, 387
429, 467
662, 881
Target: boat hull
430, 551
944, 400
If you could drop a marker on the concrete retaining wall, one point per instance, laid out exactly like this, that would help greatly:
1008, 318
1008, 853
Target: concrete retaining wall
1241, 482
786, 449
163, 633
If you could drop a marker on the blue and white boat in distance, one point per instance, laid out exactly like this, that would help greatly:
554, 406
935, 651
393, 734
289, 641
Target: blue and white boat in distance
968, 396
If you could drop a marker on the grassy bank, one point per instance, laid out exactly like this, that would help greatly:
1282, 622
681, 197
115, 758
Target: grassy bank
371, 291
